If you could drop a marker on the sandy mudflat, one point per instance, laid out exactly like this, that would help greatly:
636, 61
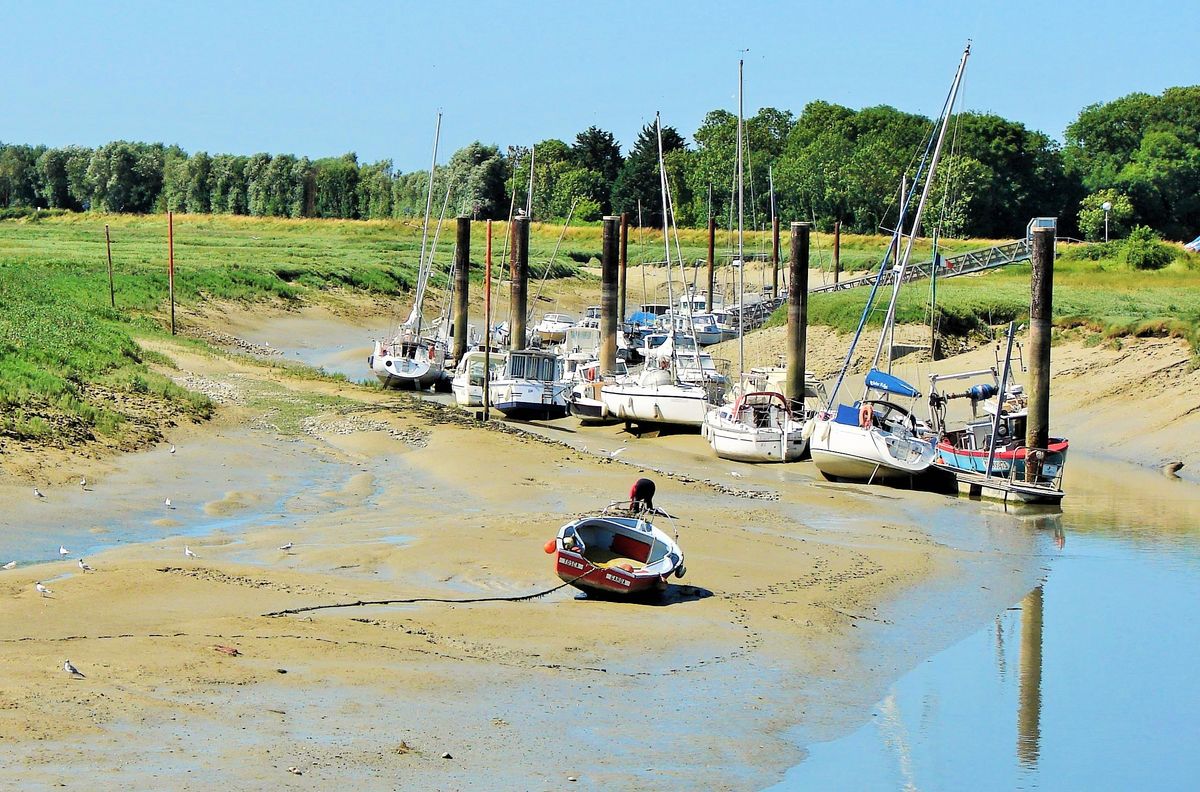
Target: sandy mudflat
799, 607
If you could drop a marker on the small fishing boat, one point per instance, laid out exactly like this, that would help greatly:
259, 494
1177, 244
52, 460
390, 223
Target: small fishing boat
531, 386
467, 383
987, 454
618, 551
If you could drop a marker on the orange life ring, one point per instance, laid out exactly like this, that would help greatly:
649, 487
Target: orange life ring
866, 416
589, 374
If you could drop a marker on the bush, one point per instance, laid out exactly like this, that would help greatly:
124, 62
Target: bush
1145, 250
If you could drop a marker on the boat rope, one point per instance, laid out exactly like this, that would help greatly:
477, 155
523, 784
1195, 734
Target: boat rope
414, 600
550, 263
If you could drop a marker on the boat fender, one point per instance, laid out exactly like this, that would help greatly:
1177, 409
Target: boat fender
810, 426
549, 547
865, 415
431, 353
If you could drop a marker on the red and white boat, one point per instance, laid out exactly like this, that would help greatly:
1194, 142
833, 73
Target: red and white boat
617, 552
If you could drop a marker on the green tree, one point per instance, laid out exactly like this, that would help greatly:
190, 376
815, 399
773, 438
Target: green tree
375, 190
638, 179
598, 151
199, 187
258, 185
53, 179
174, 181
477, 175
19, 182
336, 186
227, 184
126, 177
1091, 215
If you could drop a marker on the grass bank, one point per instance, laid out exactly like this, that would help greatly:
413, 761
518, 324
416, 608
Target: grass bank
1099, 293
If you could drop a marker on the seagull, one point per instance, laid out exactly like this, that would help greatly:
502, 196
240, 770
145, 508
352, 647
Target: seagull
286, 547
172, 449
85, 566
735, 474
37, 493
63, 552
72, 670
187, 551
45, 592
167, 503
618, 452
83, 482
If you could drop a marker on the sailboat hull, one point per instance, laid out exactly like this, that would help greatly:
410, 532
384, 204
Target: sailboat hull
852, 452
680, 405
414, 366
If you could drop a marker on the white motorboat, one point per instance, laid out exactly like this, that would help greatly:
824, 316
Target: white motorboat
530, 386
467, 383
553, 328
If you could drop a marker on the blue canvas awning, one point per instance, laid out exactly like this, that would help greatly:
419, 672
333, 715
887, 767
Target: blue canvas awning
887, 383
1194, 245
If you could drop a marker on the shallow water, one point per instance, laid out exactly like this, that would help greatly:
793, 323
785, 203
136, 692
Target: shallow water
1086, 682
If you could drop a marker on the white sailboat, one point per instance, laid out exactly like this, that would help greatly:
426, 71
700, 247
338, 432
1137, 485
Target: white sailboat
877, 438
414, 358
759, 426
659, 395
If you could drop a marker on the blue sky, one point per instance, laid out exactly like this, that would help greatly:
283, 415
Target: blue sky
324, 78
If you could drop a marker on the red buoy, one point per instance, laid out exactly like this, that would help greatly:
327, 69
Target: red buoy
549, 548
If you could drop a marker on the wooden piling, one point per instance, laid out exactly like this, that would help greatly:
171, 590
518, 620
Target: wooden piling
775, 257
1029, 696
171, 265
519, 288
1037, 432
112, 296
797, 312
462, 274
624, 266
712, 253
609, 266
837, 250
487, 322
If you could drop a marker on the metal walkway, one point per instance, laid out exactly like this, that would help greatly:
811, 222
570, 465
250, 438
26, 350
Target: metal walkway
960, 264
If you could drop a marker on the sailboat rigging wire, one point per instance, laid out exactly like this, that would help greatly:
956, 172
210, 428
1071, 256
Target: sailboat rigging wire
553, 257
414, 317
831, 400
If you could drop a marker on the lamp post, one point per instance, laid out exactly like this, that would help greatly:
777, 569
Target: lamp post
1107, 207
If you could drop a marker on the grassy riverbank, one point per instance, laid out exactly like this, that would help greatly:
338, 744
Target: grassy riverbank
1105, 296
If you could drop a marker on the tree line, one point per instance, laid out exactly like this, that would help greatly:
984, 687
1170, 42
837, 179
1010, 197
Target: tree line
1139, 154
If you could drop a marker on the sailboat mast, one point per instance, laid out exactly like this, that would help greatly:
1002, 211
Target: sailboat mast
415, 317
902, 264
662, 185
741, 254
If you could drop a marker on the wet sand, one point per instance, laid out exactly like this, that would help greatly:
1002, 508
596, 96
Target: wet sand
803, 600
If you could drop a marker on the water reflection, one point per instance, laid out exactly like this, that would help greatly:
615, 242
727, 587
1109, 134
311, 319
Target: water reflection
1029, 713
1104, 692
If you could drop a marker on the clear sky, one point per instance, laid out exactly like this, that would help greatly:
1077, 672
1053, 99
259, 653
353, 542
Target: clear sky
323, 78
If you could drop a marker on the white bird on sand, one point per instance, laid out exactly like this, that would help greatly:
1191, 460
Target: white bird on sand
85, 566
172, 449
735, 474
167, 503
10, 565
83, 482
45, 592
72, 670
187, 551
63, 552
37, 493
286, 547
618, 452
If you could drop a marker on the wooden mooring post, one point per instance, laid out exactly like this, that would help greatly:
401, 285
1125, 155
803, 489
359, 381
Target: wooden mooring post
797, 314
1037, 429
609, 255
171, 265
519, 288
462, 285
112, 296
